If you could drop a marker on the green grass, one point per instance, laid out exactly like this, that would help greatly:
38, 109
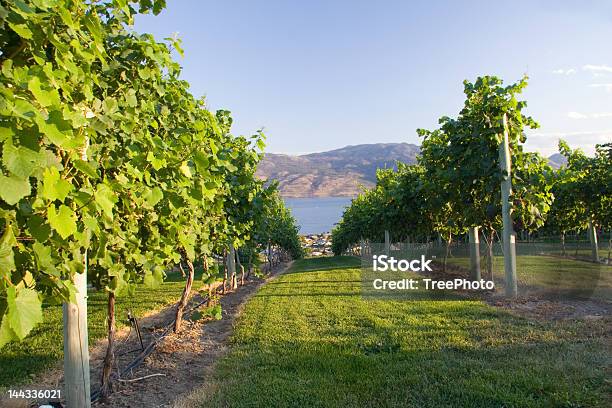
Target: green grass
309, 339
325, 263
555, 274
43, 348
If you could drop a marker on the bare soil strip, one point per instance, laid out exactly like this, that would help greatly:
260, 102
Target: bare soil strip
535, 306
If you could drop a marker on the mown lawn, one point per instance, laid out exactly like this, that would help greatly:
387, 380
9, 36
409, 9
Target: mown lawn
309, 339
555, 274
44, 347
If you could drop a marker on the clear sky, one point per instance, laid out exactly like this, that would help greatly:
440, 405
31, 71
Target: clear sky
319, 75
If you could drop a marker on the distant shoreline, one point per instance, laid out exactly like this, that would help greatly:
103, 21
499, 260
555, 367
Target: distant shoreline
317, 215
318, 196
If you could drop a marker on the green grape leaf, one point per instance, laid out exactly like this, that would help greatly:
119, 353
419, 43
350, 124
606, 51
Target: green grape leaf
43, 256
155, 162
24, 109
24, 310
6, 333
22, 8
20, 161
44, 98
13, 188
66, 17
201, 161
7, 259
22, 30
86, 168
185, 169
105, 199
131, 98
197, 315
153, 196
59, 131
38, 228
54, 187
91, 223
158, 273
153, 279
6, 132
117, 285
68, 288
214, 312
64, 221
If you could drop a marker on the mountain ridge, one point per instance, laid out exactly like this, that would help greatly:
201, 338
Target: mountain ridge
342, 172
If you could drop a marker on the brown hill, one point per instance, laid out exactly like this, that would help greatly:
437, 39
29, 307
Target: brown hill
341, 172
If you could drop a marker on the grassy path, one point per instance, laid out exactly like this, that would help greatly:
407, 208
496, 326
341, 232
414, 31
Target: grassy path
308, 339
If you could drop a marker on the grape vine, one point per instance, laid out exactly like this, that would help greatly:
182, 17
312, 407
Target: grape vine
108, 163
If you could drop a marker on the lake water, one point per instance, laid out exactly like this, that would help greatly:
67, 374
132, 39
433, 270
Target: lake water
318, 214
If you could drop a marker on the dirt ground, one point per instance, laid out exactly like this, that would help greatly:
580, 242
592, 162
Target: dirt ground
181, 362
537, 306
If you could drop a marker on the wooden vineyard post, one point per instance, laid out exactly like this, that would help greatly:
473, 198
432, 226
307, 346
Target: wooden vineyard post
76, 348
508, 235
239, 267
231, 266
387, 242
593, 239
609, 245
474, 254
270, 256
563, 243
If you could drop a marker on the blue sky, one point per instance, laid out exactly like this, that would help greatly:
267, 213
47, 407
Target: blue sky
319, 75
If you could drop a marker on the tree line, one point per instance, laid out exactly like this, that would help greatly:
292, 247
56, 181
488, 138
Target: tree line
453, 190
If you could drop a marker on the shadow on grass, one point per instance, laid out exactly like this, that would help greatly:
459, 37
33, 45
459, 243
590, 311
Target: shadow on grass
309, 294
324, 264
293, 282
321, 269
383, 369
21, 365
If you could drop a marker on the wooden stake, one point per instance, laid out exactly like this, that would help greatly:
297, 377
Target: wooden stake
387, 242
474, 253
107, 387
238, 266
593, 239
270, 256
231, 265
508, 235
76, 346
